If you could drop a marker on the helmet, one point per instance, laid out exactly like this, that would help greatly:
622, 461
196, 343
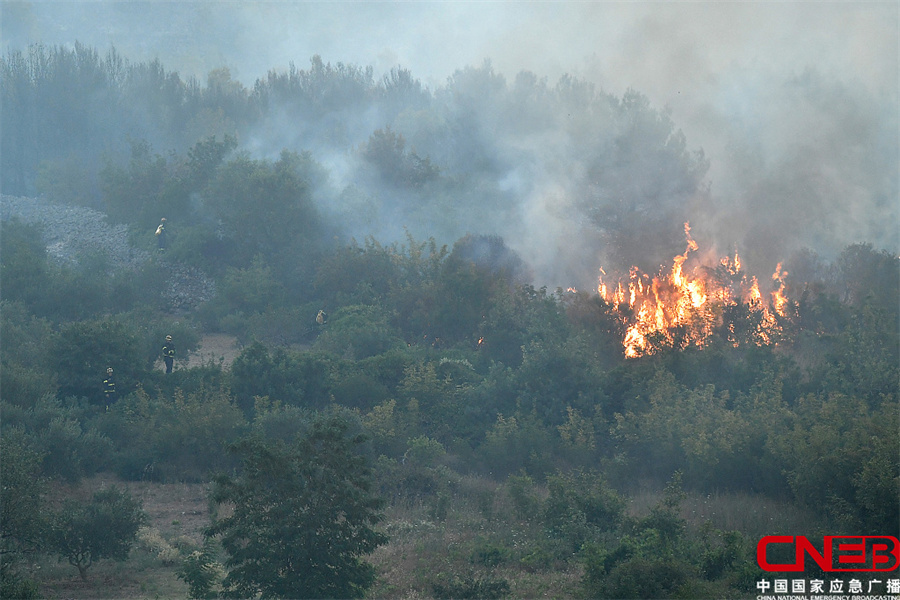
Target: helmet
168, 338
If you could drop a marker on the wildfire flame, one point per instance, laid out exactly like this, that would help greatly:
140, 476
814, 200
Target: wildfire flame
684, 308
779, 300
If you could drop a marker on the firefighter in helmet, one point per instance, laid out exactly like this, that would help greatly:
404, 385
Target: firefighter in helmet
168, 353
109, 388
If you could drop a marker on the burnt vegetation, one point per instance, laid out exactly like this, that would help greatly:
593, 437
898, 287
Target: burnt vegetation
440, 379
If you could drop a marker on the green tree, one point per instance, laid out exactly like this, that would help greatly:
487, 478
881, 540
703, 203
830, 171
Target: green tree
303, 516
843, 459
266, 209
358, 332
206, 156
580, 506
180, 437
24, 270
484, 588
83, 350
649, 559
354, 273
143, 191
634, 213
24, 374
253, 289
282, 375
21, 495
386, 152
106, 527
478, 269
201, 572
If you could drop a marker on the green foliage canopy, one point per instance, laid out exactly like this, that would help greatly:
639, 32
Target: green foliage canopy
303, 518
83, 350
106, 527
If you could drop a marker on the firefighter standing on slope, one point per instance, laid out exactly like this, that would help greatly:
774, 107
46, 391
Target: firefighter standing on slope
109, 388
168, 353
161, 234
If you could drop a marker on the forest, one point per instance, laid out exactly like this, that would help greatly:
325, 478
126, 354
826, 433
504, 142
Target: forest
431, 397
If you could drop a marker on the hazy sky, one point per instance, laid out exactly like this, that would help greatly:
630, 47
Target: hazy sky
670, 51
704, 60
805, 92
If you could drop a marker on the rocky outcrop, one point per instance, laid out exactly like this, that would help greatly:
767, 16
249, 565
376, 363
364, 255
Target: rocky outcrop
73, 231
70, 232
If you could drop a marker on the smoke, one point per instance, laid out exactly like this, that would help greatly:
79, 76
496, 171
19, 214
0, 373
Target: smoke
794, 106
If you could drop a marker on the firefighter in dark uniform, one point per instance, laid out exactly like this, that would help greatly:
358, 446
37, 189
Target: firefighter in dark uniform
168, 352
109, 388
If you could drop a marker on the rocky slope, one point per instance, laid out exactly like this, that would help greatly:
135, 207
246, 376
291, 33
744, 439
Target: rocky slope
72, 231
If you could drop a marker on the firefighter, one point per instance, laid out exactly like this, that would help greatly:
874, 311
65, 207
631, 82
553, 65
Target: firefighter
168, 353
322, 317
109, 388
161, 234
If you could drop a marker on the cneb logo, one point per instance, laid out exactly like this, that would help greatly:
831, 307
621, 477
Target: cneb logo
840, 553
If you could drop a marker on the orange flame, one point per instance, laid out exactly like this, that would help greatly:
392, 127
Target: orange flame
684, 307
779, 300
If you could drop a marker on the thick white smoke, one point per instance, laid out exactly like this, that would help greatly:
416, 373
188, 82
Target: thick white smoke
794, 104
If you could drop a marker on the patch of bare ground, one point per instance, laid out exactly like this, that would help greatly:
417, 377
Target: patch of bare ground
177, 513
215, 347
175, 509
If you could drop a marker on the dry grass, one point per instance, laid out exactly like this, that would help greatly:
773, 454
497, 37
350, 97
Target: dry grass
141, 577
424, 550
426, 545
177, 512
754, 516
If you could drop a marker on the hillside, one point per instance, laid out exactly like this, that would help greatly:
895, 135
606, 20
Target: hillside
72, 233
492, 338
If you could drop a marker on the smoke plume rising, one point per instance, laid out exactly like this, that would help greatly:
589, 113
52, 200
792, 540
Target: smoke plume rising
794, 106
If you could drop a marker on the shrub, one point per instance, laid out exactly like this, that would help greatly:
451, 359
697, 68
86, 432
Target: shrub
251, 290
83, 350
424, 451
383, 424
518, 442
525, 501
481, 588
280, 326
71, 445
106, 527
489, 554
303, 516
72, 451
359, 332
24, 269
580, 506
202, 573
644, 578
151, 540
179, 437
21, 496
13, 585
301, 378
